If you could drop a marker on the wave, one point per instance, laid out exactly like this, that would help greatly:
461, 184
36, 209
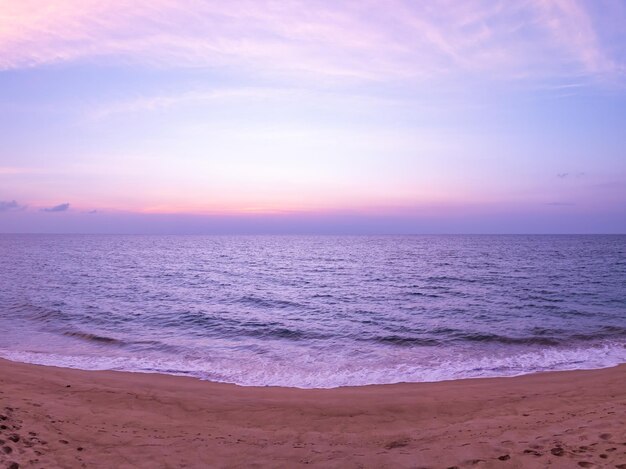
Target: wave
56, 315
220, 326
543, 336
540, 337
36, 313
268, 302
503, 339
452, 279
404, 341
605, 332
422, 295
269, 332
94, 338
214, 325
306, 372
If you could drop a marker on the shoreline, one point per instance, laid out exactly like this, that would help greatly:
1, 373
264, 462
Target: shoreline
65, 417
193, 376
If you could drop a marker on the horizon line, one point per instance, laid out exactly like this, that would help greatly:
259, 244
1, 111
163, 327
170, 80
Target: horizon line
307, 234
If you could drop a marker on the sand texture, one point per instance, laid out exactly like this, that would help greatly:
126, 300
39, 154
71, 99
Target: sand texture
55, 417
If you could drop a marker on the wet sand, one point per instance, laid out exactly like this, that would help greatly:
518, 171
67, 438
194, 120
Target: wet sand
57, 417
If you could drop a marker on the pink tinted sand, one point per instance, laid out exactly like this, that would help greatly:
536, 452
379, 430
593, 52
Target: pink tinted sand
55, 417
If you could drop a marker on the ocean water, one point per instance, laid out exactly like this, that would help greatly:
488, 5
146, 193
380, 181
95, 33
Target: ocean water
315, 311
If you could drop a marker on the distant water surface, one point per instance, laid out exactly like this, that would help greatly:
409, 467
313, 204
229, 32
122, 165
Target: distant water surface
315, 311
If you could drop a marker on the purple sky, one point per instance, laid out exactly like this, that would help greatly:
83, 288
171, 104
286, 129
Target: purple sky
164, 116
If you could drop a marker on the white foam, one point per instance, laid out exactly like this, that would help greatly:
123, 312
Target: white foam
315, 372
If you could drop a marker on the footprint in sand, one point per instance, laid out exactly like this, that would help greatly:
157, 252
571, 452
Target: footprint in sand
532, 451
557, 451
397, 443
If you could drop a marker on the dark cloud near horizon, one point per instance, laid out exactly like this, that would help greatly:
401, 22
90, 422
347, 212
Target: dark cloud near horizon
6, 205
57, 208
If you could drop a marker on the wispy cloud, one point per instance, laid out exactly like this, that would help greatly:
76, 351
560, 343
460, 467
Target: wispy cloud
372, 41
57, 208
238, 95
571, 26
160, 101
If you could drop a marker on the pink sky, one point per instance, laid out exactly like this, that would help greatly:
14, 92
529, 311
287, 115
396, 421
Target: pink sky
392, 110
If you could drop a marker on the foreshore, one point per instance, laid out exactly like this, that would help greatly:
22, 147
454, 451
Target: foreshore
58, 417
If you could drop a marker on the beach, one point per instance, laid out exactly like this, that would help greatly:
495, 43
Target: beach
277, 234
59, 417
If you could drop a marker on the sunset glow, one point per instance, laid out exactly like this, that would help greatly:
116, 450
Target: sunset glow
261, 116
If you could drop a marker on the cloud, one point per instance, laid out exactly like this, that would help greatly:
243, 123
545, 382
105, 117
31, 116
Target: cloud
396, 39
57, 208
246, 95
151, 103
579, 174
6, 205
571, 26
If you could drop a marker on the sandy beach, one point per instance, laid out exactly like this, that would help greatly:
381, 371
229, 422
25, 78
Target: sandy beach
56, 417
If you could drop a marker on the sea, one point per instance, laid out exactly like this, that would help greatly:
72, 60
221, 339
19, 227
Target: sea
314, 311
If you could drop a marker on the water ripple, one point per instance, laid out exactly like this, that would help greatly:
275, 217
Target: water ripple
315, 311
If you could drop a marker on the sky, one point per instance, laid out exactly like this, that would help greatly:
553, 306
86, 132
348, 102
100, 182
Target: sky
264, 116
